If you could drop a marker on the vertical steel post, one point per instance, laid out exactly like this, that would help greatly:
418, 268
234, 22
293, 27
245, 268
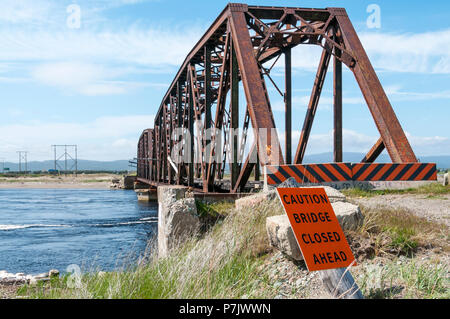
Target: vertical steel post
234, 125
158, 149
337, 96
208, 118
288, 105
257, 170
190, 145
163, 144
179, 126
169, 138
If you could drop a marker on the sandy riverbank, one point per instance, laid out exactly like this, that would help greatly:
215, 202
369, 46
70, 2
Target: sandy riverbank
88, 181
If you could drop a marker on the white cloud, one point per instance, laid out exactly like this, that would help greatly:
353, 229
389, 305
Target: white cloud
29, 11
85, 78
352, 142
396, 93
93, 63
429, 145
325, 102
97, 59
47, 12
358, 142
105, 138
151, 47
426, 52
68, 74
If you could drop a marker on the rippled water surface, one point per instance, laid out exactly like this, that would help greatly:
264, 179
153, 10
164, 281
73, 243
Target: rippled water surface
41, 229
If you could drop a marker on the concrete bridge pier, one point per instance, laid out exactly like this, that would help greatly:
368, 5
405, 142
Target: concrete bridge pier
177, 217
146, 194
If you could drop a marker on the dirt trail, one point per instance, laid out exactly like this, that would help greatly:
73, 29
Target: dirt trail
434, 208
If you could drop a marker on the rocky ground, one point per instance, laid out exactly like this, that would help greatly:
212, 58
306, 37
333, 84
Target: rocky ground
294, 281
9, 283
434, 208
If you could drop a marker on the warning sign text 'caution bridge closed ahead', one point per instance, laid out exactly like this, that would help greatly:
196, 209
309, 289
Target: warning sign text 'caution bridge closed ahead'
316, 228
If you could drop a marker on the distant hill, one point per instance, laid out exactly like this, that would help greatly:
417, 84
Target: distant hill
119, 165
442, 161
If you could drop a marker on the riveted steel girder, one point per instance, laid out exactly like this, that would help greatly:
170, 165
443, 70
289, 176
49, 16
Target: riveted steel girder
233, 54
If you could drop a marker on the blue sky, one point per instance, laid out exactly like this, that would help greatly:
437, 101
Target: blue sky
99, 85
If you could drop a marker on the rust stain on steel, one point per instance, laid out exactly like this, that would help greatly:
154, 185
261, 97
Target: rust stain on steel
312, 106
258, 104
253, 36
374, 152
387, 123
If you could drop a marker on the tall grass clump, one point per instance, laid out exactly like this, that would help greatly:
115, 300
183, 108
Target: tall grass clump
400, 232
407, 279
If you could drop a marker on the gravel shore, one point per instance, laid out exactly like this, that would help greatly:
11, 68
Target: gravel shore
82, 181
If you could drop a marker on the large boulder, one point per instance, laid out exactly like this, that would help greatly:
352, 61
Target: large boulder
282, 237
348, 215
333, 194
22, 278
255, 200
252, 201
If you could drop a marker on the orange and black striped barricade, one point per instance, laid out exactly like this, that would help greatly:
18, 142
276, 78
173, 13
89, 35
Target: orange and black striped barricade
372, 172
348, 172
310, 173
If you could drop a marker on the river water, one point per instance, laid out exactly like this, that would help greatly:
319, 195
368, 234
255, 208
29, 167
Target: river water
43, 229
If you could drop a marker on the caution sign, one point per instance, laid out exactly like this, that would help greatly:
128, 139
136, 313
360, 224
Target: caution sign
316, 228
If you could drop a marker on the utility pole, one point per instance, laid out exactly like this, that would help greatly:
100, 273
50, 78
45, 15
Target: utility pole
67, 157
23, 156
3, 164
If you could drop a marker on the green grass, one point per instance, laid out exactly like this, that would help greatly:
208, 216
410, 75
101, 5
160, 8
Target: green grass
229, 261
224, 263
432, 190
400, 232
402, 240
405, 279
214, 209
236, 277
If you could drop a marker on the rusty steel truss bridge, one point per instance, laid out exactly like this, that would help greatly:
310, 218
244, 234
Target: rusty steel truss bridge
190, 142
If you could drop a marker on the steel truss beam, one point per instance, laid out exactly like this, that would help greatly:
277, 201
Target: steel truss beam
231, 55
